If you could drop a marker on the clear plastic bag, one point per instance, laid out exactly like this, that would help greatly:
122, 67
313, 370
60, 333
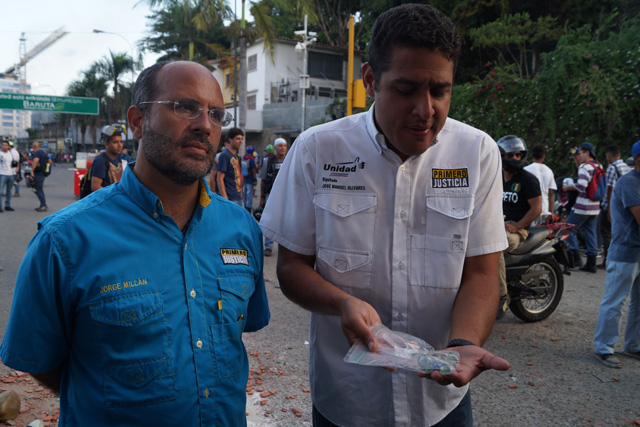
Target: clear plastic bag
401, 350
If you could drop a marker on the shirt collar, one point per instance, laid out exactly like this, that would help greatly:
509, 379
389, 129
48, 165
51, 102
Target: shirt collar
147, 200
377, 137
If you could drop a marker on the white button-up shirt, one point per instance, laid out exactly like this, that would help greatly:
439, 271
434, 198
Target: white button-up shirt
395, 235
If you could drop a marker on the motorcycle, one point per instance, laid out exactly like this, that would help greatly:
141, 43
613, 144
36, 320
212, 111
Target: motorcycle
28, 175
535, 279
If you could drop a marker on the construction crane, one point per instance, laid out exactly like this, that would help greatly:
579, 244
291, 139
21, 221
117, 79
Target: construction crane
21, 67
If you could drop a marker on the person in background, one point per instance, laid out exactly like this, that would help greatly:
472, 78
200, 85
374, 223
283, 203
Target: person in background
125, 152
269, 151
39, 160
229, 172
146, 330
547, 181
6, 175
108, 167
271, 169
249, 169
616, 169
16, 171
584, 213
521, 204
394, 217
623, 270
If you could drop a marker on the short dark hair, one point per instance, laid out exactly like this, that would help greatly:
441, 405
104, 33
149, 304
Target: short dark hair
538, 152
614, 150
413, 25
145, 87
233, 132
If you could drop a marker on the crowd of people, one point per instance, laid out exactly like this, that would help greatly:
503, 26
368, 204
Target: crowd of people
397, 216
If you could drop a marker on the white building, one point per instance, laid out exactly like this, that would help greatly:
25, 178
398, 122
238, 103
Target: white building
13, 123
274, 106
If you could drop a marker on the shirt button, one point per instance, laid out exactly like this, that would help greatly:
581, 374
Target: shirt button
402, 214
193, 293
400, 266
402, 168
399, 316
206, 392
185, 246
155, 214
199, 343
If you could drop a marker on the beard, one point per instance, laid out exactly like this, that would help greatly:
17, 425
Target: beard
161, 152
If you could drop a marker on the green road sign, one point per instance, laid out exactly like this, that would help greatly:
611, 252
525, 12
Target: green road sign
56, 104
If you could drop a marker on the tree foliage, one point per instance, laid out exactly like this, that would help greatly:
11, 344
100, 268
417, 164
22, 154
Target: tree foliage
517, 39
588, 89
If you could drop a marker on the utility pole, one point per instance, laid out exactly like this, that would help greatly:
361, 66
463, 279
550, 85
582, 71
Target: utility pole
303, 47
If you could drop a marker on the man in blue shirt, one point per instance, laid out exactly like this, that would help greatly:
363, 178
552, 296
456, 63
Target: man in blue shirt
623, 270
146, 329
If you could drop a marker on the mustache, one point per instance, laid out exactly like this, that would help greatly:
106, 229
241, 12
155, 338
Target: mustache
203, 139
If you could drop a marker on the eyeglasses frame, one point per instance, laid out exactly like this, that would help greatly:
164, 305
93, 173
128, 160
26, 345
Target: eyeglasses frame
228, 117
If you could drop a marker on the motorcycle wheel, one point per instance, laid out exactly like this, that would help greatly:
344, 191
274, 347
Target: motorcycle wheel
548, 285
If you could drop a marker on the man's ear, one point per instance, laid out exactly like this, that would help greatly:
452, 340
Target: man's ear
368, 80
135, 116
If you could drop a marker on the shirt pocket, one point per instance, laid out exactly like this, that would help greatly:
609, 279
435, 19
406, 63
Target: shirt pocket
438, 255
226, 336
345, 268
133, 339
346, 221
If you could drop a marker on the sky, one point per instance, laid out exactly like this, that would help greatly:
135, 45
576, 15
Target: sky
51, 71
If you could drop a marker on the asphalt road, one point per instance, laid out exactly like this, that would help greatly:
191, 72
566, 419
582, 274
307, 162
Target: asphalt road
554, 378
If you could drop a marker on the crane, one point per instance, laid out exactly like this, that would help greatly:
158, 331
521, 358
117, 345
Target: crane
21, 67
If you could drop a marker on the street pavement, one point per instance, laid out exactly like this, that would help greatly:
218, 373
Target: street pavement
554, 377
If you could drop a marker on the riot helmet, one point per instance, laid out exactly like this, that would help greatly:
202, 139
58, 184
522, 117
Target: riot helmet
511, 144
112, 130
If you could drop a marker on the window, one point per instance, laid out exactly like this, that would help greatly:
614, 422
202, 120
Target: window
251, 102
252, 62
7, 117
324, 65
7, 124
228, 80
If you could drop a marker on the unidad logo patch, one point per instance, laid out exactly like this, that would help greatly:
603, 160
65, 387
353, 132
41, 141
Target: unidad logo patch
234, 256
342, 170
449, 178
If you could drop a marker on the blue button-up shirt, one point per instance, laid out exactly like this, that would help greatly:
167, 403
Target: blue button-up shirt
146, 322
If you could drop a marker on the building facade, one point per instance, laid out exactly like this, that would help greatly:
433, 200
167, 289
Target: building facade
274, 97
13, 123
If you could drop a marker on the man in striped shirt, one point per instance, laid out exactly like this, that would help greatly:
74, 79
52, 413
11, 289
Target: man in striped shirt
584, 214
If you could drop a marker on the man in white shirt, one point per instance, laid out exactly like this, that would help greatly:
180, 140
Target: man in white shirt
16, 170
548, 185
6, 175
391, 225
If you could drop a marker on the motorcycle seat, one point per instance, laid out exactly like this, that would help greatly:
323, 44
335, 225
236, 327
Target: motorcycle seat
536, 235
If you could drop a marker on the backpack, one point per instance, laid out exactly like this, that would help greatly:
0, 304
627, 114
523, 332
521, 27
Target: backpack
597, 188
85, 183
245, 168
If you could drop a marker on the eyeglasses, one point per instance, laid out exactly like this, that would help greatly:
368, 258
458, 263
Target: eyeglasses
191, 110
515, 155
114, 128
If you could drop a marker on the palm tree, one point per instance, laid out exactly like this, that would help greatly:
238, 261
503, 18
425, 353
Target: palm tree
113, 69
90, 85
188, 31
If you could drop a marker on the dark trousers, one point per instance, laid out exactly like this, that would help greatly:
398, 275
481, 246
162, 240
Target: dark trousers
604, 225
461, 416
39, 182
